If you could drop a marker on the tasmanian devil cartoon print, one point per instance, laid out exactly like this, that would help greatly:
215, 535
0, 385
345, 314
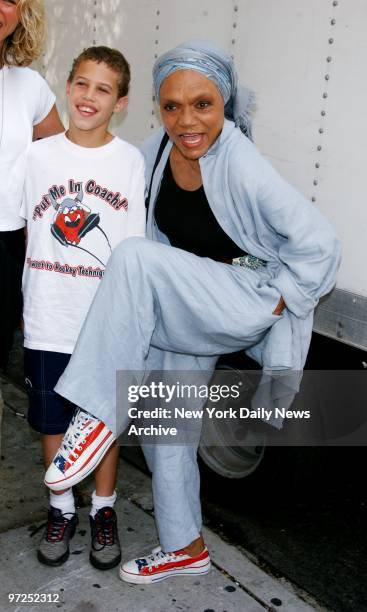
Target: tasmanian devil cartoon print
72, 220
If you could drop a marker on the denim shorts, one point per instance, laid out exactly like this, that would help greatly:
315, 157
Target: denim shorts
48, 412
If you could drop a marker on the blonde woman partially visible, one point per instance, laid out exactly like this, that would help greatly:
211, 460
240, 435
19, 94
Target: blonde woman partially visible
24, 44
27, 111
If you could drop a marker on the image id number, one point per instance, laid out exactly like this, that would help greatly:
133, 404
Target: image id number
34, 597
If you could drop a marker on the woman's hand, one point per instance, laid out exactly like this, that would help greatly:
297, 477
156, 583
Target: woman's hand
280, 307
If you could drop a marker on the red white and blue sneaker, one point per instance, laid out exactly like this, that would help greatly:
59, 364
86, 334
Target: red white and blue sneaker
84, 445
159, 566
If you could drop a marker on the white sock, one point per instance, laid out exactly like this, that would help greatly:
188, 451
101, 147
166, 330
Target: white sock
99, 502
64, 501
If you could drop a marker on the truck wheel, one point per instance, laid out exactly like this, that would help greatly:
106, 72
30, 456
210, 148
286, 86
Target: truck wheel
232, 461
218, 448
250, 468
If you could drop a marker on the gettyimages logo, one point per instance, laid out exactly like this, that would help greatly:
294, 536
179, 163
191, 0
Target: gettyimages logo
227, 407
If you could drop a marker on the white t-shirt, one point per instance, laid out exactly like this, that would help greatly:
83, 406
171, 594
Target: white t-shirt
79, 203
25, 100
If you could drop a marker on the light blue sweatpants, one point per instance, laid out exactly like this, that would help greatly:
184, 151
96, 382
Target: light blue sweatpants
161, 308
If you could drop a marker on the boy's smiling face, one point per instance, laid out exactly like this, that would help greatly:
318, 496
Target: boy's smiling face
92, 97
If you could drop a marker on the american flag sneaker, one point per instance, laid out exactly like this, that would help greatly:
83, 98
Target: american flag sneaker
84, 445
159, 566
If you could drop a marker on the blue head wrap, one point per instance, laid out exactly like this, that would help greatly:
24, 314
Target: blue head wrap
209, 60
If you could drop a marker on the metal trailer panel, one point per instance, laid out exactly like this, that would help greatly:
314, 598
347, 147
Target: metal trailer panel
305, 61
342, 189
279, 51
342, 315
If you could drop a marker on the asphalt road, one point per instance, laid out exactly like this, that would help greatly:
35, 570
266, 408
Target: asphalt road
311, 530
303, 513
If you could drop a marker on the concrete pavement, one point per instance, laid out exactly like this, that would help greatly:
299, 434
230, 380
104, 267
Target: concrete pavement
235, 584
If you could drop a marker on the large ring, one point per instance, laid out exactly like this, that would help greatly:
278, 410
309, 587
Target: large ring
249, 261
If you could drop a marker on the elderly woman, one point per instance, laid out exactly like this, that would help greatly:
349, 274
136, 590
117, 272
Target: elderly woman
27, 110
236, 258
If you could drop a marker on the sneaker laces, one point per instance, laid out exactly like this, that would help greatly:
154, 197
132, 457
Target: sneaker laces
103, 531
56, 525
78, 430
157, 558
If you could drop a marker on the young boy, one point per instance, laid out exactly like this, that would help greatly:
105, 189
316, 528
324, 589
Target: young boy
84, 193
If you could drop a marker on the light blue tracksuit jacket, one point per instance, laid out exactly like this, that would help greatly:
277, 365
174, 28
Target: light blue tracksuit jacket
268, 218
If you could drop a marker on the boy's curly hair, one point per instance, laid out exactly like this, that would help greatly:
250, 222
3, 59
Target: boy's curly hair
26, 43
112, 58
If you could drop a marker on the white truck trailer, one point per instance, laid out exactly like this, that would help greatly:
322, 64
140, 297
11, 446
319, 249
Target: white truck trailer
305, 59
